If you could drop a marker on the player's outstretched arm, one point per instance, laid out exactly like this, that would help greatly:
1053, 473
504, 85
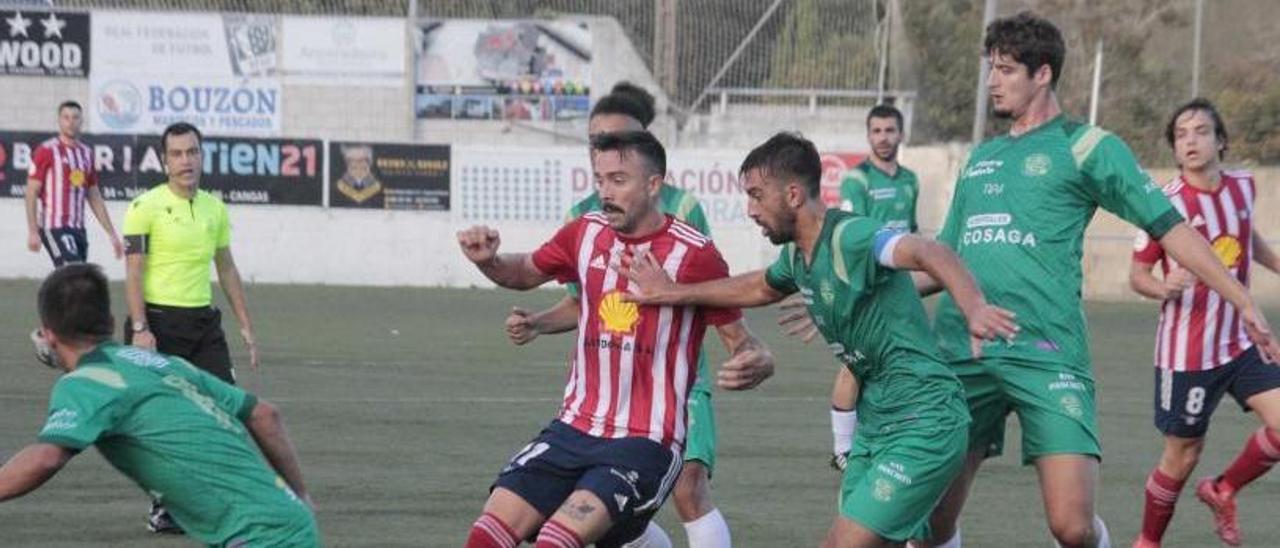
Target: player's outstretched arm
1146, 284
267, 427
30, 468
510, 270
1263, 254
1191, 251
986, 322
654, 286
523, 326
750, 362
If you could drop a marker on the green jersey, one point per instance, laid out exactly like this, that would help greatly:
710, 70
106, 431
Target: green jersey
866, 190
177, 432
874, 321
1017, 220
673, 201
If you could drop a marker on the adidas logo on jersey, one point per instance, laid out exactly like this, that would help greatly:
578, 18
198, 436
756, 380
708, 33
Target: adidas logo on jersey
621, 500
598, 263
1198, 221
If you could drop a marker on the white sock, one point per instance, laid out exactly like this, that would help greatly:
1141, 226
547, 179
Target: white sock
843, 426
1100, 529
653, 537
709, 531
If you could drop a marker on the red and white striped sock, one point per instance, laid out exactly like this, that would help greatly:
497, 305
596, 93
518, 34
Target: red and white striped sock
491, 532
1260, 453
555, 535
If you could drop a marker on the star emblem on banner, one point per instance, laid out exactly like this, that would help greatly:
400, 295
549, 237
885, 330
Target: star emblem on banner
18, 25
53, 25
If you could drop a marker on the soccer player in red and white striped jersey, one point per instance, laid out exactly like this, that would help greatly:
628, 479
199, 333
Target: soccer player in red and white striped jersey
599, 472
1202, 351
62, 177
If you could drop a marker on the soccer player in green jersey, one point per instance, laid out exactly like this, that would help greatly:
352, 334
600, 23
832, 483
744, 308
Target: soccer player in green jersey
881, 188
1021, 205
184, 436
852, 272
629, 108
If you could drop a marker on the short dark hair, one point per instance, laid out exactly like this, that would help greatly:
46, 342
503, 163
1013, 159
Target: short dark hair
1028, 39
75, 303
1201, 104
639, 142
70, 104
787, 155
180, 128
627, 99
885, 111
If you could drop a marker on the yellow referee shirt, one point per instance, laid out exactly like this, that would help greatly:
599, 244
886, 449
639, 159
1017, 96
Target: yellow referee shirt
181, 237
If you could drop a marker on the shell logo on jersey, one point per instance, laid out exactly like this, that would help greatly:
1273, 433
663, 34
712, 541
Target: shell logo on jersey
1037, 165
1228, 250
77, 177
619, 317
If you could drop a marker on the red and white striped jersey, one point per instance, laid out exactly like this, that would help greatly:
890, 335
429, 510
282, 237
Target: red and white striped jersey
1201, 330
633, 366
66, 172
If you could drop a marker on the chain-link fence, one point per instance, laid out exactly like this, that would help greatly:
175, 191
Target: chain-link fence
704, 52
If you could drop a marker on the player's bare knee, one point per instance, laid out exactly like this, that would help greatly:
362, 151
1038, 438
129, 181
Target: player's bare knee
1073, 532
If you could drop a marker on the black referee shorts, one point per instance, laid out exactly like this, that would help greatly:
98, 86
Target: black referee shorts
193, 334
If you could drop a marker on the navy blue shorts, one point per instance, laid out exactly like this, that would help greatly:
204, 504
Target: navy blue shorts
1185, 400
633, 476
65, 245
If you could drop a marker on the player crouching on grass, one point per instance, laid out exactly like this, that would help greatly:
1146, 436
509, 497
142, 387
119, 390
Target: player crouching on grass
178, 432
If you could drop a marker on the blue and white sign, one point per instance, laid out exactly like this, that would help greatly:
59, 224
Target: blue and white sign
218, 106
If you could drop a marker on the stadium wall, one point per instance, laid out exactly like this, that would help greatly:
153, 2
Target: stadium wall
311, 245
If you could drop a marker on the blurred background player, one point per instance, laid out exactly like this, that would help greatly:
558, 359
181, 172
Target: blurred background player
1021, 206
630, 108
1202, 351
852, 272
601, 470
62, 177
181, 434
172, 233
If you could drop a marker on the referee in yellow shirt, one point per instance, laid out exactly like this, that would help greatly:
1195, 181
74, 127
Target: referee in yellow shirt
171, 234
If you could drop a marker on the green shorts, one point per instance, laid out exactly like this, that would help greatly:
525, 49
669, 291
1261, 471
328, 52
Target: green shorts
893, 481
1055, 408
700, 444
302, 533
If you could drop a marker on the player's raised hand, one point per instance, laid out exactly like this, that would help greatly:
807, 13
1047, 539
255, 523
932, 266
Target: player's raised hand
1259, 331
987, 323
521, 327
479, 243
1178, 280
795, 319
652, 284
746, 369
